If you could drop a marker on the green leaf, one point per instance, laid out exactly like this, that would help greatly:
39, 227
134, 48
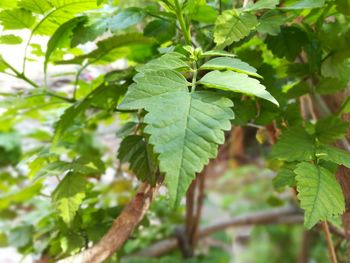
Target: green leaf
232, 26
161, 30
295, 144
330, 85
104, 47
205, 14
135, 151
10, 148
331, 129
262, 4
345, 107
285, 176
62, 37
10, 40
172, 60
125, 18
36, 6
343, 6
63, 10
334, 155
236, 82
68, 196
16, 19
234, 64
8, 4
270, 23
288, 43
319, 193
303, 4
185, 135
337, 66
20, 195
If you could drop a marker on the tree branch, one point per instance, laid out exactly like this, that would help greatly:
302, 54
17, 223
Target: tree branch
121, 229
330, 245
288, 215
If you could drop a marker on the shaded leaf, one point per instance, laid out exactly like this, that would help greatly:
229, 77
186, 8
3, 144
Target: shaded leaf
334, 155
285, 176
331, 129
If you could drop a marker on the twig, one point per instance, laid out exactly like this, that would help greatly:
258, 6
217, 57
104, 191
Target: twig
287, 215
330, 246
121, 229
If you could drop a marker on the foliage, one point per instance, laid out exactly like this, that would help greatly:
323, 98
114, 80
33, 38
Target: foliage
191, 71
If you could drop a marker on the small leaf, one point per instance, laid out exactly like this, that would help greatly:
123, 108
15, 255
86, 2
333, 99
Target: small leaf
232, 26
319, 193
234, 64
10, 40
172, 60
134, 150
295, 144
303, 4
333, 155
62, 37
236, 82
262, 4
285, 176
331, 129
68, 196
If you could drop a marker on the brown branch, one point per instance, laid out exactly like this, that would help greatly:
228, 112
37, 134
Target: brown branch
330, 246
289, 215
305, 247
121, 229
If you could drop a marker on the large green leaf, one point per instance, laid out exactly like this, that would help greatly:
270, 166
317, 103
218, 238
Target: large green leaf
270, 23
228, 63
262, 4
185, 127
125, 18
333, 155
135, 151
236, 82
63, 10
16, 19
295, 144
319, 193
7, 4
285, 176
232, 26
68, 195
36, 6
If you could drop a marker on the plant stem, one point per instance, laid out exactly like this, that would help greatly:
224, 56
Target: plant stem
194, 77
20, 75
330, 246
185, 31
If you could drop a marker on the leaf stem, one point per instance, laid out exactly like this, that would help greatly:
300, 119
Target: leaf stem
194, 77
331, 250
19, 75
185, 31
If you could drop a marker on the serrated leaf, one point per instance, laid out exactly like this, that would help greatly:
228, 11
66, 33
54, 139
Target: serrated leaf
331, 129
172, 60
236, 82
285, 176
337, 66
334, 155
62, 37
270, 23
226, 63
10, 40
16, 19
295, 144
303, 4
135, 151
319, 193
232, 26
36, 6
187, 133
262, 4
68, 196
288, 43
